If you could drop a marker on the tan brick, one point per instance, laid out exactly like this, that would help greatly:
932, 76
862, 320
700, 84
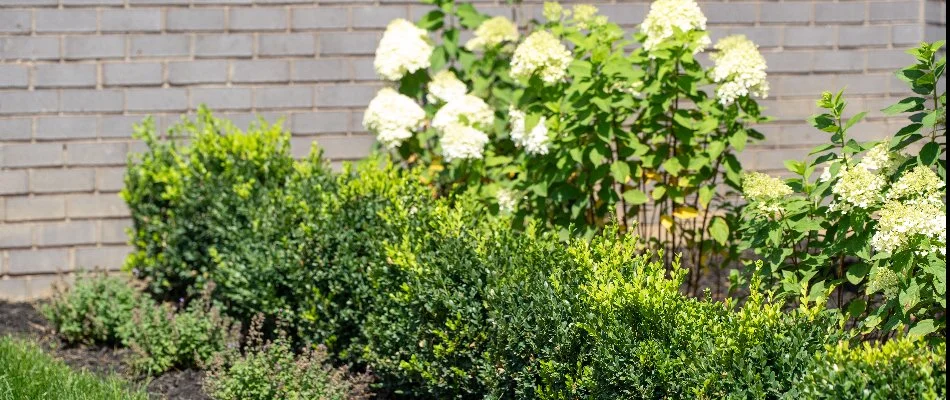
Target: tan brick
108, 258
95, 206
23, 208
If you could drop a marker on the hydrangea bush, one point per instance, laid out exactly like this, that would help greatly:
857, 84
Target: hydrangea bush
568, 127
871, 229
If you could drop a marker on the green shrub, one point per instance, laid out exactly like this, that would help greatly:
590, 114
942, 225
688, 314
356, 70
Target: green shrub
163, 337
95, 310
26, 372
271, 370
898, 369
207, 206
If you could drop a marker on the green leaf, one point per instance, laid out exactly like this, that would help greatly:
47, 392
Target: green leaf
856, 307
432, 20
719, 230
738, 140
659, 192
673, 166
905, 105
620, 170
922, 328
930, 119
635, 197
853, 120
929, 153
705, 195
794, 166
857, 272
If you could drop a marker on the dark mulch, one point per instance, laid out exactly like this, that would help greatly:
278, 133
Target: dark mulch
24, 321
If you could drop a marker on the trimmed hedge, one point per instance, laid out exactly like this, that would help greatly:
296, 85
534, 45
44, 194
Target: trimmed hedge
442, 300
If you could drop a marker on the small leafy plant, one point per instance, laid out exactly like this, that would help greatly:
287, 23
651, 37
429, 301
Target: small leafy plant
165, 337
272, 370
95, 310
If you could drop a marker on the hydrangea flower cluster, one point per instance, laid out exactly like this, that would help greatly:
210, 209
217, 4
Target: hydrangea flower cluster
466, 110
919, 186
543, 54
879, 158
460, 121
858, 187
765, 190
462, 142
392, 117
553, 11
902, 224
666, 17
585, 15
883, 279
506, 201
493, 32
739, 70
404, 49
535, 142
445, 87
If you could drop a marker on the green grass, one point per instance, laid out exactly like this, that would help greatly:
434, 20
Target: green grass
27, 373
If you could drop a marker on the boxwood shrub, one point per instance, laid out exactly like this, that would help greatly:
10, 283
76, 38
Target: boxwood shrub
441, 300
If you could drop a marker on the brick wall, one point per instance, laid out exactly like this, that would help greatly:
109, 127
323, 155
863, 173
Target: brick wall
76, 74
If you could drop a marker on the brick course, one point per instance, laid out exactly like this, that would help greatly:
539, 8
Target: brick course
75, 75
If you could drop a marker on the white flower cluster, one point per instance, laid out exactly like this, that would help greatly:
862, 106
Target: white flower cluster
901, 224
466, 110
534, 142
920, 185
858, 187
506, 201
492, 33
585, 15
404, 49
462, 142
880, 159
445, 87
765, 190
739, 70
460, 122
543, 54
392, 117
666, 17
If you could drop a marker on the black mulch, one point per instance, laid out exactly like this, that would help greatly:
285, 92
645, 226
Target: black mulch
24, 320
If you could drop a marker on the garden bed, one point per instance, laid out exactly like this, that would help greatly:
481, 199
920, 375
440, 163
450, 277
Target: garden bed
24, 321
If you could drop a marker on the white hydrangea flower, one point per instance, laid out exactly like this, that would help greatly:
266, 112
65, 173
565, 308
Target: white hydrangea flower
467, 110
392, 117
881, 159
445, 87
553, 11
542, 54
765, 190
825, 174
506, 201
666, 17
404, 49
535, 142
901, 224
586, 16
462, 142
739, 70
858, 187
920, 185
492, 33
